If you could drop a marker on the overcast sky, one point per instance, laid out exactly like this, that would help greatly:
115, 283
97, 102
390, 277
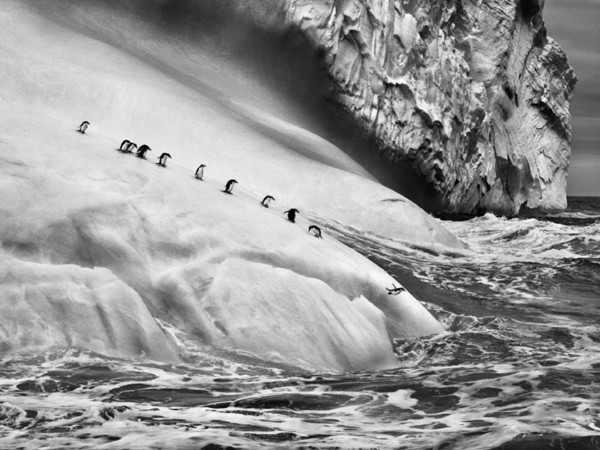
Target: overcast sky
575, 25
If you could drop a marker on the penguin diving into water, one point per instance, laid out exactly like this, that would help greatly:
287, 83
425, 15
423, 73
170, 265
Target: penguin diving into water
124, 145
141, 153
291, 214
84, 126
229, 186
200, 172
395, 290
268, 199
316, 231
162, 159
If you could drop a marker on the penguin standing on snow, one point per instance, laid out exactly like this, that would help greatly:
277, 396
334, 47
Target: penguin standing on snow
316, 231
200, 172
124, 145
162, 159
131, 147
395, 290
291, 214
265, 201
84, 126
229, 186
141, 153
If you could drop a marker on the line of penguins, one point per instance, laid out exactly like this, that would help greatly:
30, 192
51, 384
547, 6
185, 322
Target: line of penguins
130, 147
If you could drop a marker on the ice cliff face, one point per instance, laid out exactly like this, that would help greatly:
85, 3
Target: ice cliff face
473, 93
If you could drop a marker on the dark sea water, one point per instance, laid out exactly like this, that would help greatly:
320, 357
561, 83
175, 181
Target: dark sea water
518, 368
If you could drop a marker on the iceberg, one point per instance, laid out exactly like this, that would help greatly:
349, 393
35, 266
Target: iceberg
99, 246
47, 305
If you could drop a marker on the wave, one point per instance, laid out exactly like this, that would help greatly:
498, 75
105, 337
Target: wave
498, 238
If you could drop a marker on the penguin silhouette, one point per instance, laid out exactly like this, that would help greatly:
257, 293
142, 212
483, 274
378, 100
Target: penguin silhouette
291, 214
229, 186
141, 153
84, 126
395, 290
265, 201
131, 147
200, 172
124, 145
162, 159
316, 231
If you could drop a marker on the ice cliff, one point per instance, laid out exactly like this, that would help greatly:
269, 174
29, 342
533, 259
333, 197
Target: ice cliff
472, 93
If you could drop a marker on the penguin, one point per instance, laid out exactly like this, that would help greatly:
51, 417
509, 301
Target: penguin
229, 186
162, 159
141, 153
316, 231
265, 201
130, 147
395, 290
291, 214
200, 172
124, 145
84, 126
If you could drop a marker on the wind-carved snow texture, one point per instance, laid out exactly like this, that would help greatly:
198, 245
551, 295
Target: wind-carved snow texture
97, 244
472, 92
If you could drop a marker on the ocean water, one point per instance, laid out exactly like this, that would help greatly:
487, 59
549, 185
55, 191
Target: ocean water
518, 368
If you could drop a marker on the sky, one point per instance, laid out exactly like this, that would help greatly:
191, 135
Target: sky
574, 24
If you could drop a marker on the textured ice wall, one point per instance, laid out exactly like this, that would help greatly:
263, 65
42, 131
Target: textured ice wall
472, 92
53, 305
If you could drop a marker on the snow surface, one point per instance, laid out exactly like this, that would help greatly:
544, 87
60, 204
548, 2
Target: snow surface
97, 243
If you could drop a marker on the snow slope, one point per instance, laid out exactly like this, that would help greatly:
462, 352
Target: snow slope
96, 243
